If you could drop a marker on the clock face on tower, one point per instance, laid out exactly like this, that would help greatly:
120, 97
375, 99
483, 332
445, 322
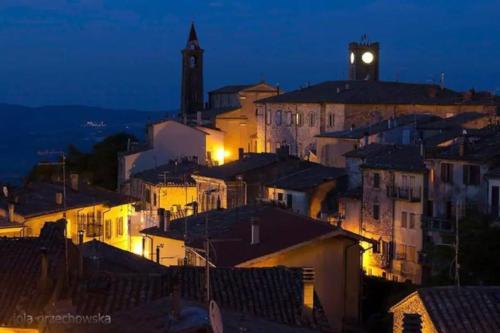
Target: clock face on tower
367, 57
352, 57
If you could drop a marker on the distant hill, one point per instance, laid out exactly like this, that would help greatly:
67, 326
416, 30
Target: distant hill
27, 130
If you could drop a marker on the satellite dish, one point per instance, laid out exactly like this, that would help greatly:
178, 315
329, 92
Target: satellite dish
215, 317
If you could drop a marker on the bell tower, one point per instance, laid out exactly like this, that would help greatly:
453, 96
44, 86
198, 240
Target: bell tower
192, 75
363, 60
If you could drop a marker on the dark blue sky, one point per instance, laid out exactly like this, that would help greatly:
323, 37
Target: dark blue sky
126, 53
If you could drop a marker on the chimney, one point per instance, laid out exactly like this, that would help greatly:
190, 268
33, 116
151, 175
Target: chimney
307, 292
198, 118
59, 198
255, 230
74, 181
161, 219
241, 153
44, 270
12, 209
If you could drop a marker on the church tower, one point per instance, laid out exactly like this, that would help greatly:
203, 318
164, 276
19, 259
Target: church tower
192, 75
363, 60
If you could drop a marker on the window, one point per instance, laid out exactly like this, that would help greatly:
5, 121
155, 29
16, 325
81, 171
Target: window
446, 172
331, 120
376, 180
192, 61
411, 253
471, 174
289, 200
280, 196
289, 118
404, 220
412, 323
154, 199
147, 195
299, 121
376, 212
278, 118
312, 119
268, 117
400, 252
119, 226
412, 221
107, 226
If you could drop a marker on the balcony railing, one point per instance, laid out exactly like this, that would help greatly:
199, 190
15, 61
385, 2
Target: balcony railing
405, 193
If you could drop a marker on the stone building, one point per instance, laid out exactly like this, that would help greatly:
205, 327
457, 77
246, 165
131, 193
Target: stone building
169, 186
242, 182
296, 118
91, 212
171, 140
310, 191
260, 236
443, 309
332, 146
232, 110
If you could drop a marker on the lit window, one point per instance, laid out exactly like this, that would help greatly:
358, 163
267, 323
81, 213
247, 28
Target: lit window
268, 117
299, 121
289, 118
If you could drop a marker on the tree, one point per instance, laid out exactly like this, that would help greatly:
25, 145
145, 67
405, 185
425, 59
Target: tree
99, 167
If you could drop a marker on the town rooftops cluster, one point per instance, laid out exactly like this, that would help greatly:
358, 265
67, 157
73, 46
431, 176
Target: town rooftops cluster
110, 283
279, 229
37, 198
395, 157
308, 178
379, 92
172, 173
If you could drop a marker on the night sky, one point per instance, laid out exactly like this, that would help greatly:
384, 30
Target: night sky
126, 53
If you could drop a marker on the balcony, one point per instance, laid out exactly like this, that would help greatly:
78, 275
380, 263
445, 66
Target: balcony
413, 194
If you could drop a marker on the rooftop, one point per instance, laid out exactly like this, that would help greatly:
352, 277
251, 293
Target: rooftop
461, 310
382, 126
397, 157
366, 151
454, 121
279, 230
20, 266
249, 162
39, 198
484, 149
377, 92
308, 178
232, 89
173, 173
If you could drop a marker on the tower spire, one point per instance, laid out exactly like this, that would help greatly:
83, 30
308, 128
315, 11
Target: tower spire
192, 34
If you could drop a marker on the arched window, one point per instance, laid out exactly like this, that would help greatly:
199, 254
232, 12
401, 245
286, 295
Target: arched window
192, 61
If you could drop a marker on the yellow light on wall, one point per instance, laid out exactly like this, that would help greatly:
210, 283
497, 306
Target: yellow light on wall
220, 155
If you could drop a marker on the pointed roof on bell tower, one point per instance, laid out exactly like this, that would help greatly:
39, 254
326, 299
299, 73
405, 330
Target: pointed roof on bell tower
192, 33
192, 42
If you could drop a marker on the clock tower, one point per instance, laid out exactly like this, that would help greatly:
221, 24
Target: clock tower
192, 76
363, 60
